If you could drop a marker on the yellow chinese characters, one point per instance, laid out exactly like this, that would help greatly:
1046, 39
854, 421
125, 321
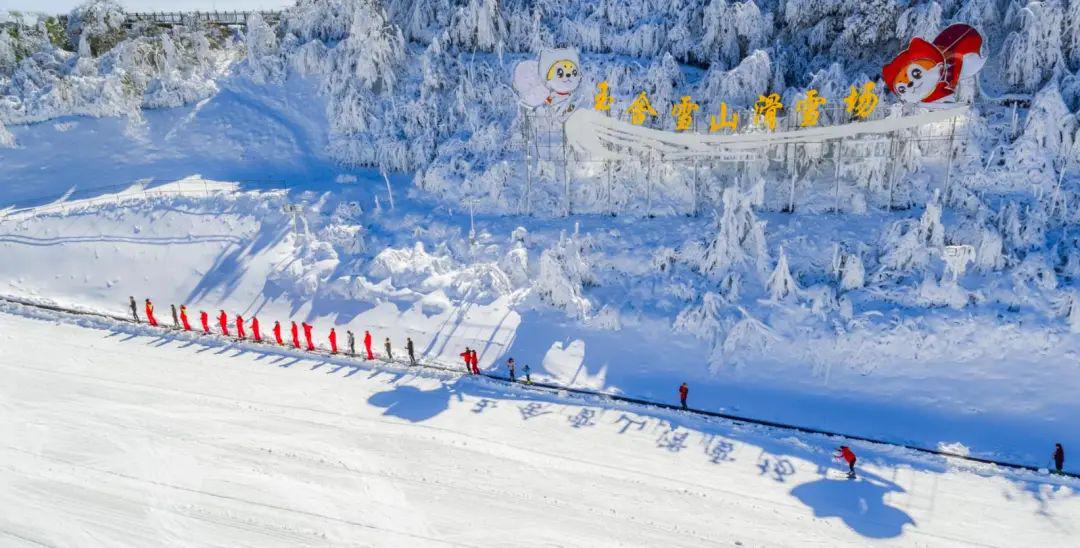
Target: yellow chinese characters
683, 111
602, 100
862, 104
640, 108
809, 108
724, 122
765, 110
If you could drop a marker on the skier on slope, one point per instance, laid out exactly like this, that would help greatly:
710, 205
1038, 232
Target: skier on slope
849, 457
333, 341
184, 318
223, 321
409, 348
389, 356
367, 345
295, 335
134, 308
352, 342
175, 321
683, 392
240, 327
510, 367
528, 378
467, 356
205, 318
1059, 457
474, 361
307, 335
277, 333
150, 313
255, 329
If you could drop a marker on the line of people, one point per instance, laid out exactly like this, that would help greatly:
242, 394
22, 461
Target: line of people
241, 331
472, 361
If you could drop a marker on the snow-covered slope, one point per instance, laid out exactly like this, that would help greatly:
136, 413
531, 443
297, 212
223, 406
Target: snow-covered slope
845, 320
127, 438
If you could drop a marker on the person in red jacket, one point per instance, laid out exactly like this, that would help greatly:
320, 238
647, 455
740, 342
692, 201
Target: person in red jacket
683, 391
367, 344
205, 318
183, 317
255, 329
277, 333
223, 321
475, 362
150, 313
333, 341
240, 327
849, 457
307, 335
295, 336
467, 356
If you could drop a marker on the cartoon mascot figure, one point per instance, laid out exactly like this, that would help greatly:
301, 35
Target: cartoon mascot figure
929, 72
549, 82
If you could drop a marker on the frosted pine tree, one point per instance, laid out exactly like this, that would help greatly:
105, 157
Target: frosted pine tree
781, 283
1035, 47
739, 239
853, 275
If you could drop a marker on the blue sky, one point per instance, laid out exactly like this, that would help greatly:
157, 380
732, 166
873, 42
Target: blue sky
64, 6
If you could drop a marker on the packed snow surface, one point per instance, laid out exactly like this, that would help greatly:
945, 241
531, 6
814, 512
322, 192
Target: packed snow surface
131, 437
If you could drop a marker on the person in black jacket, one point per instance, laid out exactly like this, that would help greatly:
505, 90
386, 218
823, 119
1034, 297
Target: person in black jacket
1059, 457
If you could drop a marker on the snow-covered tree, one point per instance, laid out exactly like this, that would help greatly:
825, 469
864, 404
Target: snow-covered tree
739, 239
264, 60
781, 283
1034, 49
852, 273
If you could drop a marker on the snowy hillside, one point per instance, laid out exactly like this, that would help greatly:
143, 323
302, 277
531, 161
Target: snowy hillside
145, 439
365, 165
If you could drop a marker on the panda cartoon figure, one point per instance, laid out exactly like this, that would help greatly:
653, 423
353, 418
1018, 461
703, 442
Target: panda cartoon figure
550, 82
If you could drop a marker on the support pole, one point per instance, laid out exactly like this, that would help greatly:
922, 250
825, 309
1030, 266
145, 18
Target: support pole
836, 189
948, 167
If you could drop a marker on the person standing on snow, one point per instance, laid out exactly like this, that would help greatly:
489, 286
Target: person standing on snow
367, 344
223, 321
307, 335
277, 333
175, 321
389, 356
510, 367
475, 362
849, 457
295, 336
528, 379
134, 308
409, 349
150, 313
352, 342
683, 392
183, 317
467, 356
333, 341
205, 318
1059, 457
240, 327
255, 329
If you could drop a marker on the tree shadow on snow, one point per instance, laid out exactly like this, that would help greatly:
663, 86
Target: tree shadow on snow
859, 503
414, 404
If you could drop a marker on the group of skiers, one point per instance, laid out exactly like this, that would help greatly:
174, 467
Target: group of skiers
472, 362
181, 321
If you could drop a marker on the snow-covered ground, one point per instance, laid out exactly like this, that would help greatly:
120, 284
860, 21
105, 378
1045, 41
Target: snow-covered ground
126, 438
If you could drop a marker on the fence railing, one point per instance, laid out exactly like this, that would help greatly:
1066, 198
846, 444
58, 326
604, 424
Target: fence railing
225, 18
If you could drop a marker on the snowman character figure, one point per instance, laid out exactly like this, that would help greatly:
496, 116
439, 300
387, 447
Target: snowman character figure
550, 82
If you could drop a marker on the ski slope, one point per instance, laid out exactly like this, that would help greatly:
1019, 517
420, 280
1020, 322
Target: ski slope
125, 437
